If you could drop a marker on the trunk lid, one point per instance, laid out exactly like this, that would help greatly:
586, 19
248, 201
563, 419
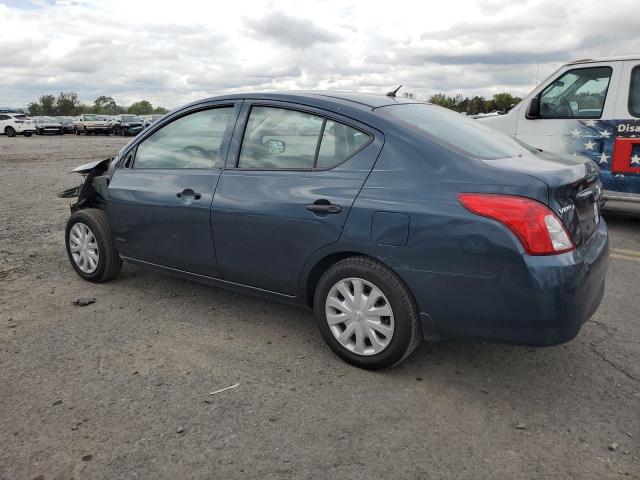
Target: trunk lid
575, 190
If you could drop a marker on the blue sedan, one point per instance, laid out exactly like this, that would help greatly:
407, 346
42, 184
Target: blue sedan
394, 220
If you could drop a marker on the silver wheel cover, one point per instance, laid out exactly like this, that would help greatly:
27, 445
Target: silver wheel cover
84, 248
359, 316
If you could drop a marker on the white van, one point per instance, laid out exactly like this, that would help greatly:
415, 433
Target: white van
589, 108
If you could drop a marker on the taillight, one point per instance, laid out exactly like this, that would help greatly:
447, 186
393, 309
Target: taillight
539, 230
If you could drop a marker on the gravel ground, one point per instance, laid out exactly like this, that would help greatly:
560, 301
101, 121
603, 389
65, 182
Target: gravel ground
120, 388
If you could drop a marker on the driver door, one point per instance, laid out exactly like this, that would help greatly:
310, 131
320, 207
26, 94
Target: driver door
570, 108
159, 204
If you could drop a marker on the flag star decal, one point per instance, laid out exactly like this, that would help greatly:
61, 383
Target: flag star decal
576, 133
635, 159
603, 158
589, 145
590, 123
606, 133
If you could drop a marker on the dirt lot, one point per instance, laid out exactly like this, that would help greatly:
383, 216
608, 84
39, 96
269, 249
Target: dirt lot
102, 391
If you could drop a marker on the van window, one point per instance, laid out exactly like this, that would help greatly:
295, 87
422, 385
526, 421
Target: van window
634, 92
579, 93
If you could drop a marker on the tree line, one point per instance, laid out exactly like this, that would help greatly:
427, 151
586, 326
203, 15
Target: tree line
502, 102
69, 104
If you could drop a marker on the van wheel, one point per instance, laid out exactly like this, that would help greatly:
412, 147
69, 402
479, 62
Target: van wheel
366, 314
90, 246
10, 132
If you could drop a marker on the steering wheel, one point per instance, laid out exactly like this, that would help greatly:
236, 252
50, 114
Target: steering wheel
197, 150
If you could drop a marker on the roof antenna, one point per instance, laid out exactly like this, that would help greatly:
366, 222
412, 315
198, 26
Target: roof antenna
393, 94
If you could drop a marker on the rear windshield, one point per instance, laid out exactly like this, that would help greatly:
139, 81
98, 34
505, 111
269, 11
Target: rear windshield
456, 131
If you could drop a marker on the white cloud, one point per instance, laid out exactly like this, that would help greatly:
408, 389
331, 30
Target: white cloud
171, 53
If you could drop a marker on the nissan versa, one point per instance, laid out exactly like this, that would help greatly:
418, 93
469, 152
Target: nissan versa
394, 220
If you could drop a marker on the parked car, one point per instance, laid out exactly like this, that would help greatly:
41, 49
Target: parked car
89, 123
12, 124
126, 125
67, 124
393, 220
589, 108
46, 125
149, 119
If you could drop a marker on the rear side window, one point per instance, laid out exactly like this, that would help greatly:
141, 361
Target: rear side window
281, 139
192, 141
634, 92
455, 130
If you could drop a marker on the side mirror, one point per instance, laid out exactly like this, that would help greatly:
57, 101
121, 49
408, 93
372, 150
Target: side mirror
534, 108
276, 147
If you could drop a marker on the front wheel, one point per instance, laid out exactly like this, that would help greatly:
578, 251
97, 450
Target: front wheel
366, 313
90, 246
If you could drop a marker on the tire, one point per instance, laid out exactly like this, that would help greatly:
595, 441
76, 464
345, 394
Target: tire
10, 132
38, 131
27, 134
76, 131
109, 262
404, 320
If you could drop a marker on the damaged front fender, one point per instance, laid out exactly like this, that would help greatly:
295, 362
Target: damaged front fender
92, 193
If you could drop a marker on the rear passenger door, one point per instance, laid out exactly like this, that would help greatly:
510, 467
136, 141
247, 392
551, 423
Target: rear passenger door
292, 176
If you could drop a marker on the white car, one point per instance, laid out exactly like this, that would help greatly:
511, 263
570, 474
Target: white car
587, 108
12, 124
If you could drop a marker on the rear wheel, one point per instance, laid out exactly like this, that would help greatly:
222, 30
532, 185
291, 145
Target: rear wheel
90, 246
10, 132
27, 134
366, 314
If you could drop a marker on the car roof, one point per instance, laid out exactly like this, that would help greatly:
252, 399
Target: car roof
618, 58
366, 101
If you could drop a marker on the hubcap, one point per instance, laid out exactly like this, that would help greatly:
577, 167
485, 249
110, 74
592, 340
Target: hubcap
359, 316
84, 248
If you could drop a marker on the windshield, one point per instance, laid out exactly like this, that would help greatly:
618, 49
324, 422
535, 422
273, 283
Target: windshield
455, 130
48, 119
91, 117
130, 118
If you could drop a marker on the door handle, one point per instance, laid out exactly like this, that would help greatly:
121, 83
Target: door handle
324, 208
187, 192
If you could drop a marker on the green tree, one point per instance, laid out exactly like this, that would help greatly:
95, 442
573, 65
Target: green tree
47, 105
106, 105
143, 107
504, 101
34, 109
160, 111
68, 104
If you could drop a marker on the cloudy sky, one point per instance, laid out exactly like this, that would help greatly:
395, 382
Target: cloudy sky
174, 52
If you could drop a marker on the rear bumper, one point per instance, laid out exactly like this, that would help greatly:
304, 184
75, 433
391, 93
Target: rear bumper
538, 301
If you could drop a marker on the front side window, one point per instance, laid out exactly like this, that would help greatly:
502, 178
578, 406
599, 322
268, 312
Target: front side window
579, 93
192, 141
634, 92
277, 138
